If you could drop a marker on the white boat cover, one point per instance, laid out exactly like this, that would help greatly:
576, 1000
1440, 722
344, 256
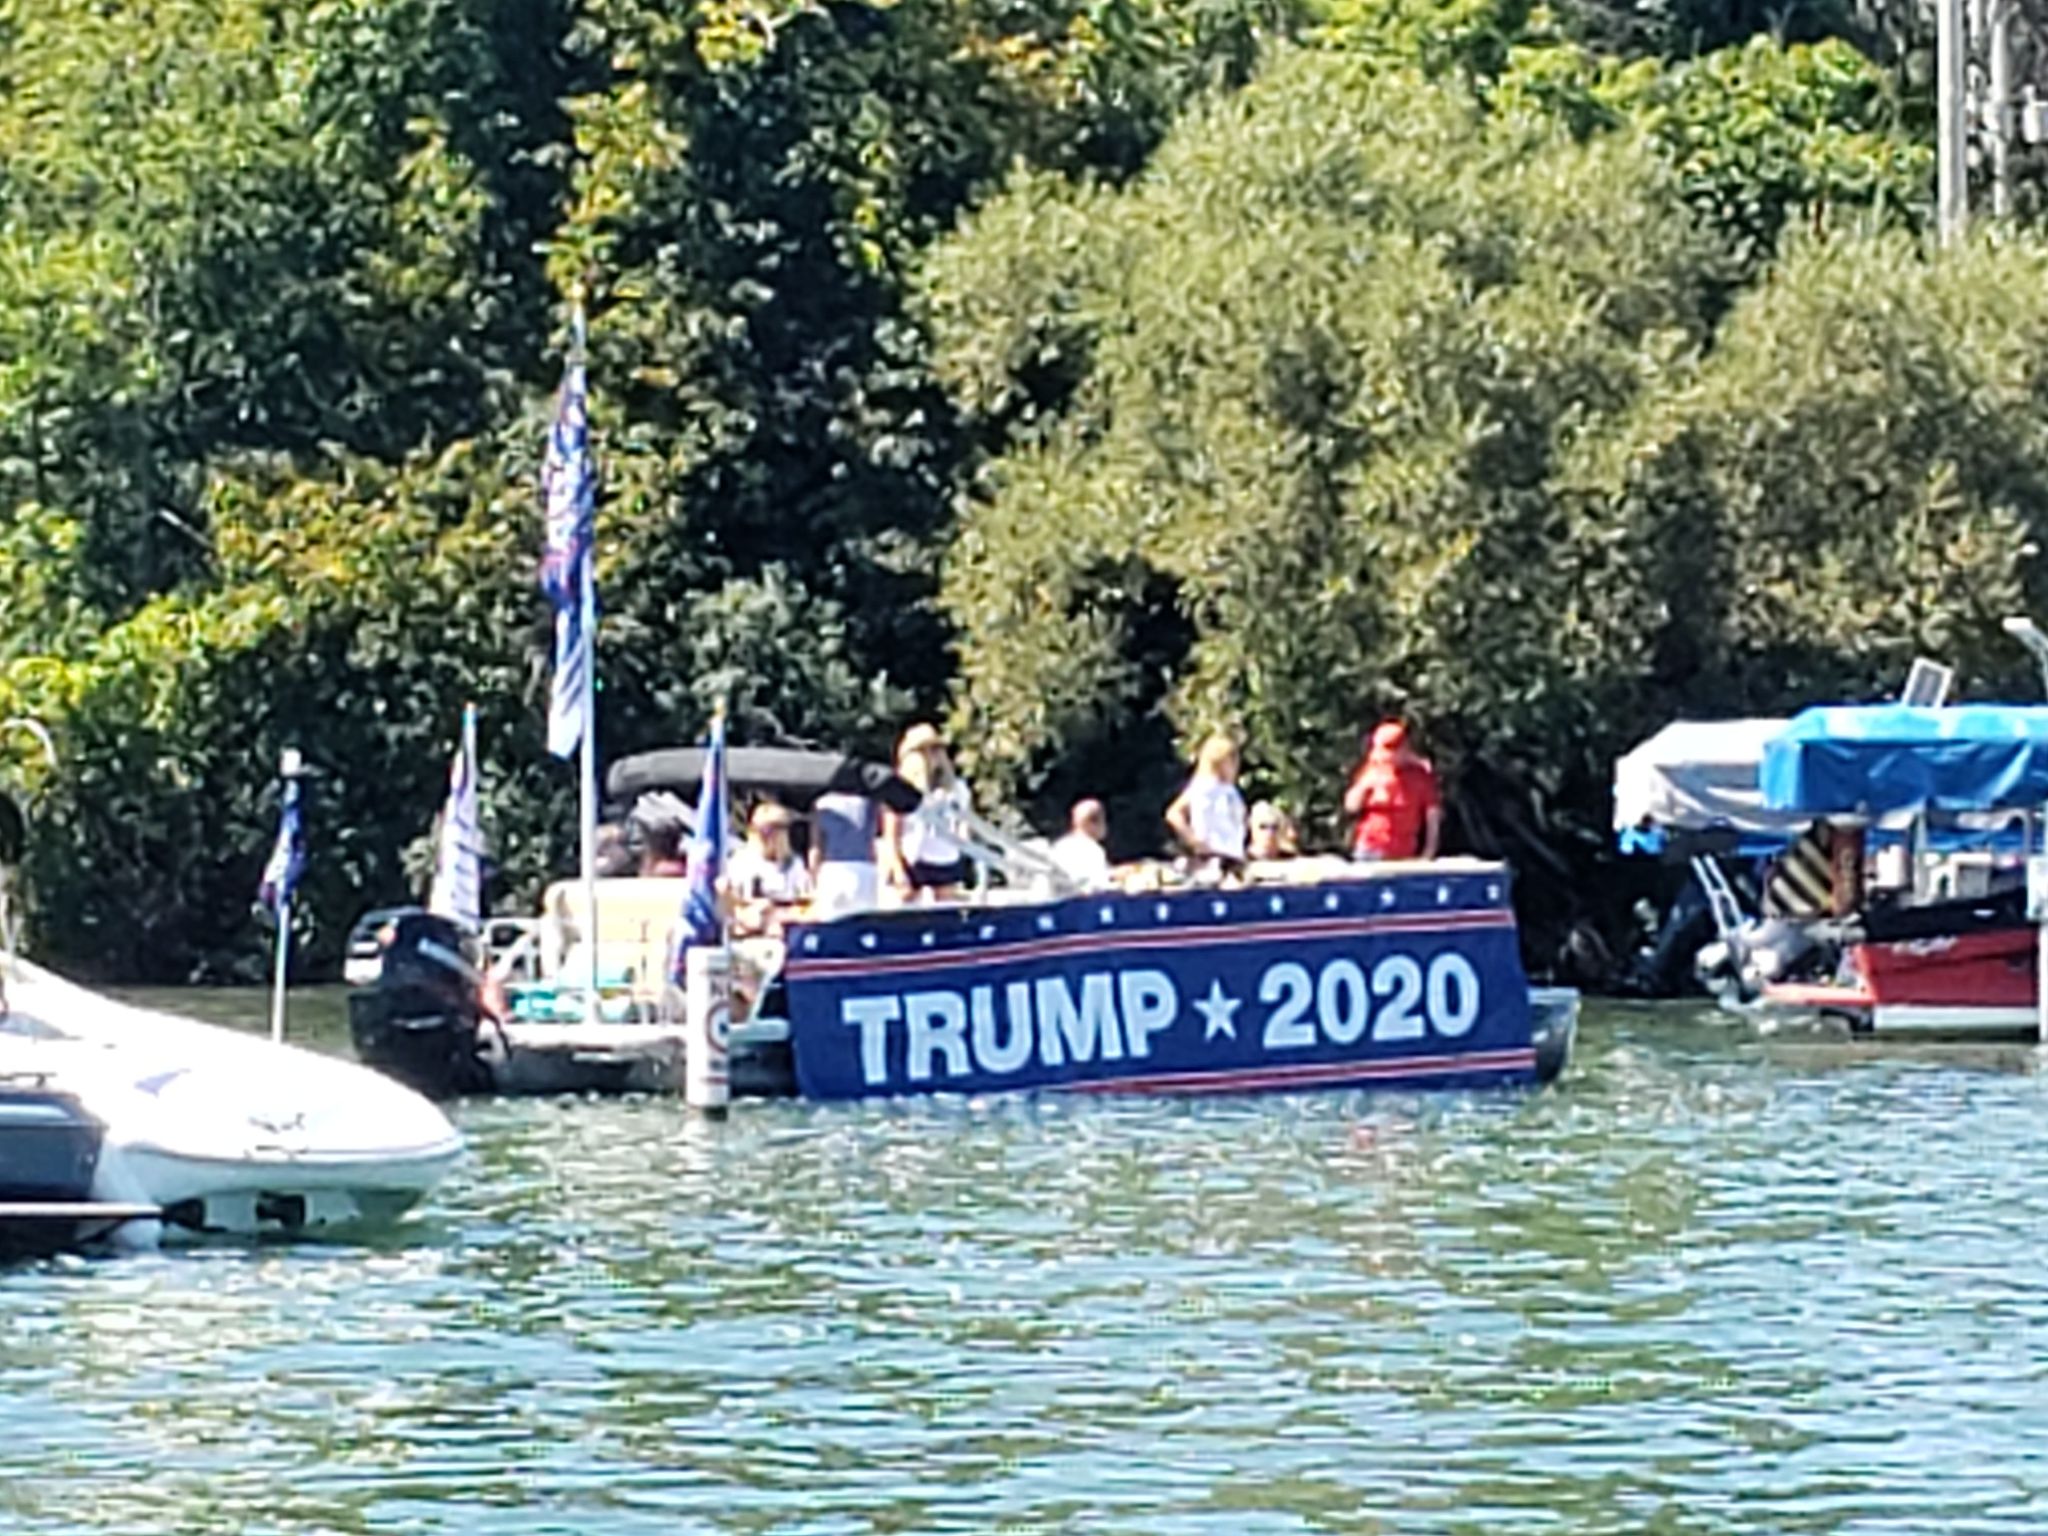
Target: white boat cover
1701, 776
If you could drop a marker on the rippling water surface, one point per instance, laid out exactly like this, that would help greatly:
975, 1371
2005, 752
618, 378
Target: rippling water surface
1712, 1282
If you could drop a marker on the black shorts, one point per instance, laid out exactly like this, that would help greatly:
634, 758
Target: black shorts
924, 876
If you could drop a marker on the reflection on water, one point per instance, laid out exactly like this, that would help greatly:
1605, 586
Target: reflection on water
1711, 1283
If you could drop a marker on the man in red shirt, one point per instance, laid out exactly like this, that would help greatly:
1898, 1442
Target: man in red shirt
1393, 794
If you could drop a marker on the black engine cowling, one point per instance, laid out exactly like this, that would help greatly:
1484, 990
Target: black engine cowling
418, 1015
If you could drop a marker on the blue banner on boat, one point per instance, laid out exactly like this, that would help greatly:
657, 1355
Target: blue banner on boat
1391, 978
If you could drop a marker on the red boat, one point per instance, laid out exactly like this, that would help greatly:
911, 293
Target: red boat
1953, 968
1967, 966
1936, 935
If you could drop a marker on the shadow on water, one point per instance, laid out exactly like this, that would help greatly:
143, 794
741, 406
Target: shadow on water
1712, 1282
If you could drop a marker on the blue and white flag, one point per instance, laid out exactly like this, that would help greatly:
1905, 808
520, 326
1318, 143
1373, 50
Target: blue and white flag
703, 924
287, 854
458, 890
569, 490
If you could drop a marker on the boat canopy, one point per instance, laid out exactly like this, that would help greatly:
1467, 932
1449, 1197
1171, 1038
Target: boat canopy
1871, 760
792, 774
1700, 776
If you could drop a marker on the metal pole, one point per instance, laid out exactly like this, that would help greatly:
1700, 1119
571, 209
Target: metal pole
277, 985
2001, 107
587, 820
586, 829
1952, 174
289, 767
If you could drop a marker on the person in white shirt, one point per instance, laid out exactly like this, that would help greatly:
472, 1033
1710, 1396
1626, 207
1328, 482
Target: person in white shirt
764, 873
918, 858
1208, 815
844, 875
1080, 854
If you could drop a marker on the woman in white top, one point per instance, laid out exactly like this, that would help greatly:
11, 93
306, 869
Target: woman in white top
917, 855
1208, 815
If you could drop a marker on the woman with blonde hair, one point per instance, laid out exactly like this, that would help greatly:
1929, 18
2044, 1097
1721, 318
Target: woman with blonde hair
1207, 816
917, 855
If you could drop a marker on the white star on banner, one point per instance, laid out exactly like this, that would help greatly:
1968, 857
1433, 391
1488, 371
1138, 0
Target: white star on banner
1162, 911
1443, 894
867, 941
810, 943
1218, 1010
930, 940
1493, 893
1108, 914
1331, 903
1045, 923
1219, 907
1387, 897
1277, 904
988, 931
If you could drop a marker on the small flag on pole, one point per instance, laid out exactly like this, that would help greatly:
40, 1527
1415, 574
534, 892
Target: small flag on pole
458, 890
288, 853
569, 490
703, 924
281, 879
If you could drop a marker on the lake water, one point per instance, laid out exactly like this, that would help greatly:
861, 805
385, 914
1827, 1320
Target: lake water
1712, 1282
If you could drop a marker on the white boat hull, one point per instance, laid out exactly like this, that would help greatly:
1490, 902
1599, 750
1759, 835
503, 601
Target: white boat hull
224, 1133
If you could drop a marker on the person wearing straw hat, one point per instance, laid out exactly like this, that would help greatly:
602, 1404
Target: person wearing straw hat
918, 856
764, 872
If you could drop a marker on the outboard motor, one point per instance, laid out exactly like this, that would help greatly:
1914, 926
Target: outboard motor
419, 1016
1737, 968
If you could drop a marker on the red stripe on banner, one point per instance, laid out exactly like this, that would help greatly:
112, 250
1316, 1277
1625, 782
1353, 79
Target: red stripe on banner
1313, 1075
1120, 939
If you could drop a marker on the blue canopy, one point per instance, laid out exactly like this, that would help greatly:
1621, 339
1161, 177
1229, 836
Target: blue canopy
1871, 759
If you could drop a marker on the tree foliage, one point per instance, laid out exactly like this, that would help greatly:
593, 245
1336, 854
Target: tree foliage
279, 285
1374, 397
1335, 343
1280, 382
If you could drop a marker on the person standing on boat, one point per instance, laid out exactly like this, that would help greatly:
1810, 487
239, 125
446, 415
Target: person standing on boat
1394, 796
1207, 816
917, 854
1080, 853
844, 875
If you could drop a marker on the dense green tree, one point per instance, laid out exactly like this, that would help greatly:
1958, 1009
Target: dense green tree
754, 188
256, 226
1373, 396
1329, 351
276, 315
1856, 475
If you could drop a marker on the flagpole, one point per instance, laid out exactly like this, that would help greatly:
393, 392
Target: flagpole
586, 828
284, 940
288, 770
587, 823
